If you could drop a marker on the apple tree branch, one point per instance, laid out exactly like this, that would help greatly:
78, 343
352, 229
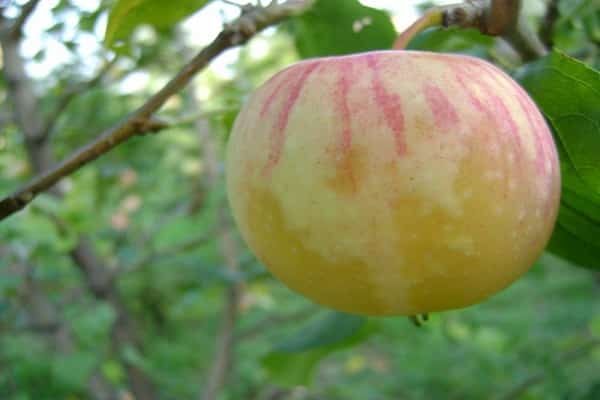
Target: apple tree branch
252, 21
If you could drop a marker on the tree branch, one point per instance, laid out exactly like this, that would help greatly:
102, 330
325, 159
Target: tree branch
550, 19
25, 105
491, 17
26, 11
234, 34
526, 42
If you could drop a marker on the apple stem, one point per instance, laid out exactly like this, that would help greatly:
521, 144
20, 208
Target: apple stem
418, 320
431, 18
490, 17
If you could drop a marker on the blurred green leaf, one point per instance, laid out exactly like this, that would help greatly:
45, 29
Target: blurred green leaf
595, 326
332, 329
134, 357
464, 41
176, 231
126, 15
333, 27
91, 326
293, 370
293, 360
87, 21
568, 93
73, 370
113, 371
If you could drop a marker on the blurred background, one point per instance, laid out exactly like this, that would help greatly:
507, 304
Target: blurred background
130, 281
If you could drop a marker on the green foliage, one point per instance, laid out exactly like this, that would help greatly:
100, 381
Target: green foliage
357, 28
568, 93
126, 15
330, 330
577, 30
454, 40
292, 361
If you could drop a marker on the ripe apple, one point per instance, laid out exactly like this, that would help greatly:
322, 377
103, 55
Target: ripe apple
393, 182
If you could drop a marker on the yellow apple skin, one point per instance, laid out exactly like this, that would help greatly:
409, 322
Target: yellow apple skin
393, 182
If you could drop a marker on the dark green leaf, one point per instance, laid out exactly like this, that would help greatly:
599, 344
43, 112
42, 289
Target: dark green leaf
341, 27
126, 15
327, 331
570, 247
292, 361
568, 93
87, 21
465, 41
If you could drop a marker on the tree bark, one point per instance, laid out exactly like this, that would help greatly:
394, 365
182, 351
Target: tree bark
24, 104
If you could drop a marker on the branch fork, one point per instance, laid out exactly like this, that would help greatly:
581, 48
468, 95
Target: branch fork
491, 17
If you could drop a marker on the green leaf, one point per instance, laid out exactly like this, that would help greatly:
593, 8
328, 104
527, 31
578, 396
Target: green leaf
175, 232
87, 21
73, 370
113, 371
134, 357
293, 360
293, 370
335, 327
464, 41
333, 27
126, 15
568, 93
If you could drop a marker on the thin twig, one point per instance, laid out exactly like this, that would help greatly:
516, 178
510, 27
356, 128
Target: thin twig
547, 29
234, 34
526, 42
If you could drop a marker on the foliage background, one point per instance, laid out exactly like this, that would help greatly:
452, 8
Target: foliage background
154, 211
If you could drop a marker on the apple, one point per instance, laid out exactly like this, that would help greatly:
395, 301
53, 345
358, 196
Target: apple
393, 182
